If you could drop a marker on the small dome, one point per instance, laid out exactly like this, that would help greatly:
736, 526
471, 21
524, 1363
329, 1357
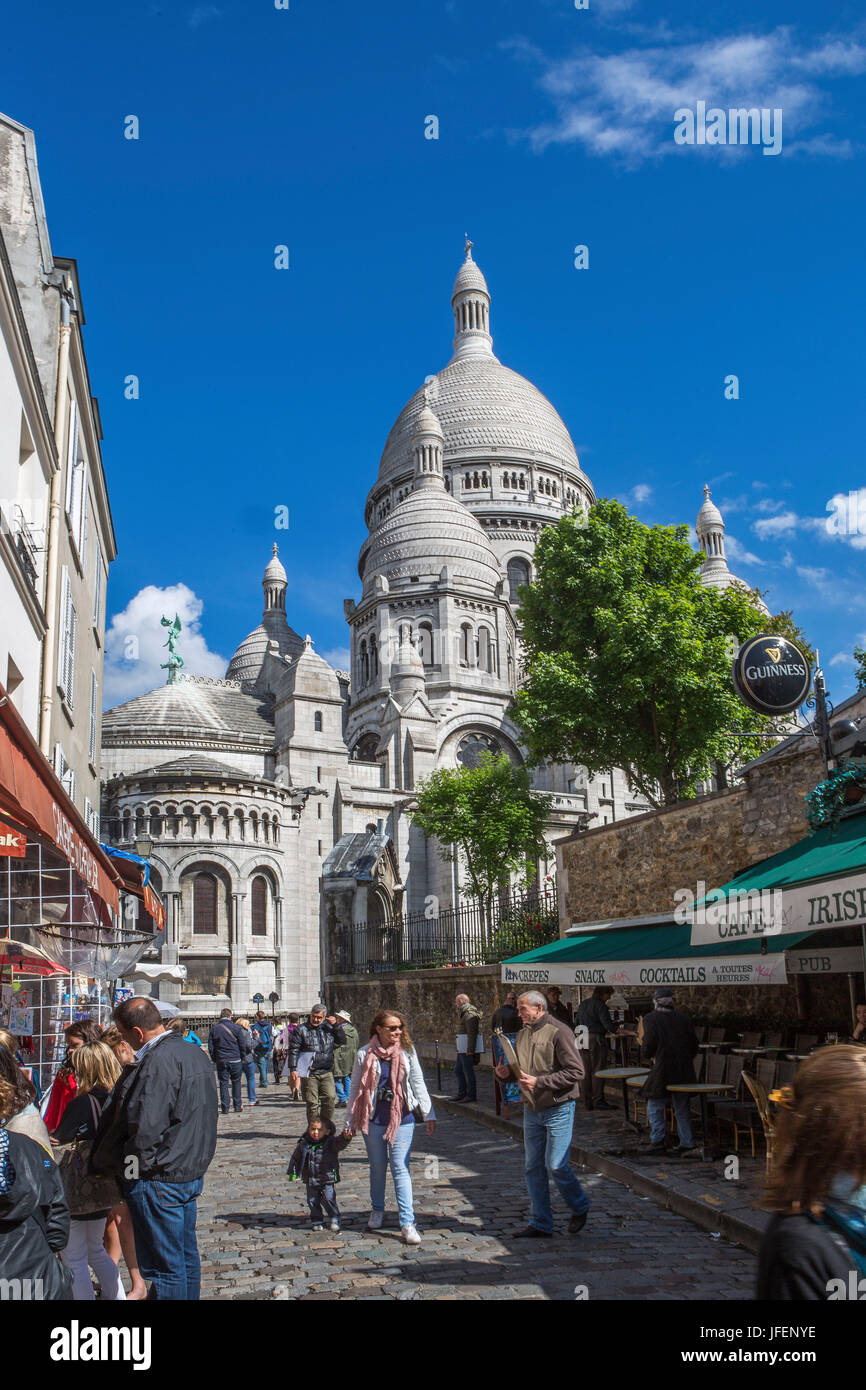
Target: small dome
469, 277
425, 532
274, 569
408, 662
709, 515
428, 423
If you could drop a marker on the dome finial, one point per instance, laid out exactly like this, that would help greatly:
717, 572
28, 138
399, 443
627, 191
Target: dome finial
706, 491
468, 247
276, 552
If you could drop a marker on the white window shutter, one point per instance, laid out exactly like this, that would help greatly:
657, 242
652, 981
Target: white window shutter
94, 688
97, 586
82, 540
71, 455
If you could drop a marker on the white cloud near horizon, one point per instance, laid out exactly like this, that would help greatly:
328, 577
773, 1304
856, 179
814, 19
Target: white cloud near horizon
135, 643
621, 104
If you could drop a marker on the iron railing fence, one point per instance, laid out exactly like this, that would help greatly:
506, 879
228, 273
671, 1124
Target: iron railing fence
470, 934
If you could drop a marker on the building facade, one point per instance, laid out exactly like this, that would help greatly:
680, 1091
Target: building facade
279, 799
62, 533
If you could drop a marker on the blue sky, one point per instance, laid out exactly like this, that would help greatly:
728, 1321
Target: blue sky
263, 388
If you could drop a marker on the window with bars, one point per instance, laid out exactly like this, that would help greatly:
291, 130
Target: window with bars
204, 905
259, 925
94, 709
68, 629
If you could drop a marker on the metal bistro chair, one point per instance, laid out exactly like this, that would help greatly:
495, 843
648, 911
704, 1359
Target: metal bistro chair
773, 1039
785, 1073
751, 1039
701, 1032
717, 1064
762, 1102
765, 1071
804, 1042
715, 1035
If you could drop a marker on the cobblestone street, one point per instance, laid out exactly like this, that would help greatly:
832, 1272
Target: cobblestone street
256, 1242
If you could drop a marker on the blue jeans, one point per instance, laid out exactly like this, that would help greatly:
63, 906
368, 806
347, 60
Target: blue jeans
546, 1143
465, 1073
322, 1201
163, 1223
249, 1069
655, 1110
380, 1155
230, 1071
342, 1084
262, 1064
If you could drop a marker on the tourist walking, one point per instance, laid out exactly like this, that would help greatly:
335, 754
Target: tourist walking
26, 1119
163, 1125
550, 1073
344, 1058
119, 1235
34, 1216
469, 1045
96, 1072
227, 1044
248, 1064
388, 1095
593, 1015
315, 1042
263, 1041
669, 1044
316, 1162
814, 1248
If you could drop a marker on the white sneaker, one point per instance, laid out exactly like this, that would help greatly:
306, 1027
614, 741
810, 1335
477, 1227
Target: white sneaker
375, 1222
409, 1235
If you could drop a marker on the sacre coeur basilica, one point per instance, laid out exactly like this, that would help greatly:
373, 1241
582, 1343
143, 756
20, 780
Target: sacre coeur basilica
277, 797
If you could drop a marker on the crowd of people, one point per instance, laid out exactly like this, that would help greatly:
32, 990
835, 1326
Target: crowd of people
108, 1169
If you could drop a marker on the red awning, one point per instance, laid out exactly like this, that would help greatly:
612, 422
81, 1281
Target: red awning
32, 794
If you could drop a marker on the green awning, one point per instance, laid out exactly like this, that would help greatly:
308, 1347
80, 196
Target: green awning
650, 956
816, 884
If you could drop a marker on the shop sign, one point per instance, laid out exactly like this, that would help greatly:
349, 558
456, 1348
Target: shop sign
847, 960
685, 972
805, 907
13, 842
771, 674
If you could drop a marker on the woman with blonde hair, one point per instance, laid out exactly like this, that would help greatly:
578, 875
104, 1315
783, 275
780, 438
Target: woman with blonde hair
387, 1095
816, 1187
248, 1061
96, 1072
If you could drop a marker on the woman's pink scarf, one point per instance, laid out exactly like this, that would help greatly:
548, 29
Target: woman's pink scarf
365, 1100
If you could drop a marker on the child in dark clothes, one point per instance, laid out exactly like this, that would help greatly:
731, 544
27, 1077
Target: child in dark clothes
316, 1162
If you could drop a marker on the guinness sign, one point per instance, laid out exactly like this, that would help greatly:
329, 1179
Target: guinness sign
771, 674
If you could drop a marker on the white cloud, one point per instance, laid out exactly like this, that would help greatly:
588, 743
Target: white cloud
783, 525
636, 495
135, 642
842, 659
201, 14
739, 554
622, 104
337, 657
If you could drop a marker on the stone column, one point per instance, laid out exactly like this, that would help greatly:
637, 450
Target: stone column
239, 983
284, 978
170, 954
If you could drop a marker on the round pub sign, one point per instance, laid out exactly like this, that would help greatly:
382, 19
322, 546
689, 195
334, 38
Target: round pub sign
771, 674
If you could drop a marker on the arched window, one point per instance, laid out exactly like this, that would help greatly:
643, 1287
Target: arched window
466, 645
275, 831
317, 721
425, 643
374, 656
365, 749
518, 573
259, 918
483, 650
204, 905
365, 664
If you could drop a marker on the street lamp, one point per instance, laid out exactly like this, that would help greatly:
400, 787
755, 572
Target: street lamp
273, 998
144, 846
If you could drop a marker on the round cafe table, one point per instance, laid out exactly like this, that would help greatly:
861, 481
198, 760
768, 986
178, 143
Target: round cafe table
702, 1089
617, 1037
622, 1074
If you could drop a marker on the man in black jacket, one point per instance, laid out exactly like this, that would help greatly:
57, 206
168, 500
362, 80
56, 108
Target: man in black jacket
318, 1037
158, 1134
593, 1015
670, 1044
227, 1044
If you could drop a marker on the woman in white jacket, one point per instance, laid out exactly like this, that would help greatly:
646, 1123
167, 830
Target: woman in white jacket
386, 1098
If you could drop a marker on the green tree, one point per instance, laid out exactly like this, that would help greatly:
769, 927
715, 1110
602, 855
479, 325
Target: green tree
488, 816
860, 673
628, 656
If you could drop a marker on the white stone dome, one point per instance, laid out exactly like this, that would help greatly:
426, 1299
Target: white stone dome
426, 532
485, 410
469, 277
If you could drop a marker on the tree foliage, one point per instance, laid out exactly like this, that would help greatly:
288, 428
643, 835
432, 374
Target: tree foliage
860, 673
488, 816
628, 655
